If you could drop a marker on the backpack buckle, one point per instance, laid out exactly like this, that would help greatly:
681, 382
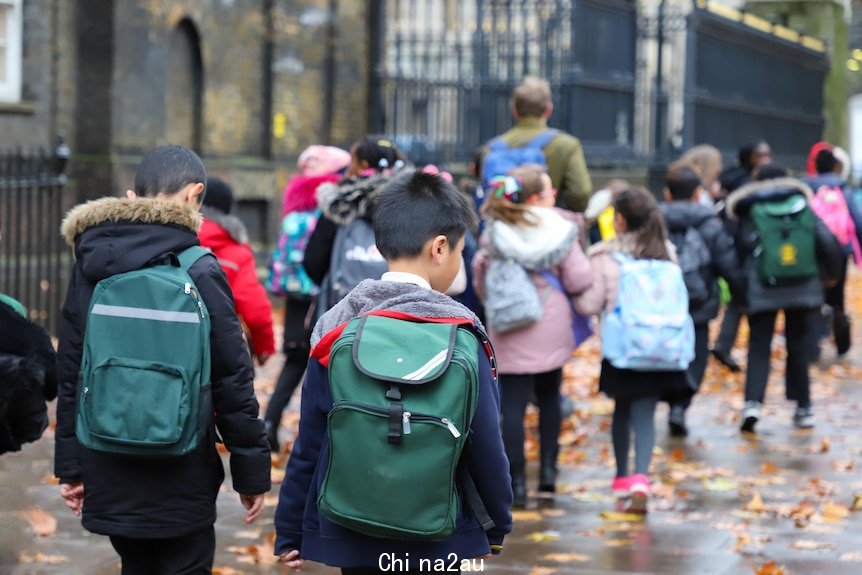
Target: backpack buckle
396, 418
394, 392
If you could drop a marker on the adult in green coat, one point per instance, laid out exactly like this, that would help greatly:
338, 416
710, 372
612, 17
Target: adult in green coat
531, 108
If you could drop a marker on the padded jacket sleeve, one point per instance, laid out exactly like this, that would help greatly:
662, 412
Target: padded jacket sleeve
303, 460
67, 450
725, 261
252, 304
318, 251
486, 458
232, 376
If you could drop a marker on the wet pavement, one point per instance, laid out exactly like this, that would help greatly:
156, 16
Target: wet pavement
724, 504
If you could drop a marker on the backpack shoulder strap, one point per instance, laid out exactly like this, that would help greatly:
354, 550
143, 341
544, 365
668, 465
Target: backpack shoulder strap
543, 139
189, 256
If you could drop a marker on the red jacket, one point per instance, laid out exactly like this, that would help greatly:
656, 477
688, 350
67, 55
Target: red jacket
227, 238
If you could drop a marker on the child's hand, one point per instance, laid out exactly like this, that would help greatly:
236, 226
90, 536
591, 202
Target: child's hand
291, 559
254, 505
262, 357
73, 493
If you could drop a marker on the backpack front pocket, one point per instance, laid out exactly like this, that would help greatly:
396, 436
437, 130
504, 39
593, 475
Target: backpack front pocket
402, 490
136, 402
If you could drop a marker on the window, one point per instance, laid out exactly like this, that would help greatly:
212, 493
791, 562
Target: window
10, 50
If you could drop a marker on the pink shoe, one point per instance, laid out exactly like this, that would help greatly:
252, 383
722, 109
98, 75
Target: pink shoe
640, 493
622, 486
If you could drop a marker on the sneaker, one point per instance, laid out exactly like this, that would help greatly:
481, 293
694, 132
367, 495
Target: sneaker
750, 415
725, 359
640, 493
803, 418
622, 487
676, 421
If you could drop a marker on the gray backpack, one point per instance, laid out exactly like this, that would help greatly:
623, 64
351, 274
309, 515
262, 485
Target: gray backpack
511, 299
355, 257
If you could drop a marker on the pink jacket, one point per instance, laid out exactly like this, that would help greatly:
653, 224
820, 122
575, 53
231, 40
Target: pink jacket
601, 297
547, 344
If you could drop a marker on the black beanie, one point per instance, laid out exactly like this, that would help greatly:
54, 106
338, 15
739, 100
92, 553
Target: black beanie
218, 196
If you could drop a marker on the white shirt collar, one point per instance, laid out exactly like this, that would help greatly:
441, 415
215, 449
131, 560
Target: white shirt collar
406, 278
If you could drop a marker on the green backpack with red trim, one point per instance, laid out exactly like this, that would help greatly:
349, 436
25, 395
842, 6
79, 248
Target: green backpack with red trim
404, 394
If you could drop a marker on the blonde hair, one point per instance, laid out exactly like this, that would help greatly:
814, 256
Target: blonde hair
705, 160
497, 207
532, 97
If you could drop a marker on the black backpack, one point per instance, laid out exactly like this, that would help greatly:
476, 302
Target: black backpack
694, 258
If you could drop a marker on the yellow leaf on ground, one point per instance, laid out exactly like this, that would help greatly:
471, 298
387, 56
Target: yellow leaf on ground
756, 504
41, 558
825, 444
526, 516
247, 534
227, 571
43, 523
544, 536
277, 475
833, 512
720, 485
768, 468
543, 571
618, 542
565, 557
622, 516
857, 503
809, 545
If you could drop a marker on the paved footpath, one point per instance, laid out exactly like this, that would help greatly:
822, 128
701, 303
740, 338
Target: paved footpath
724, 504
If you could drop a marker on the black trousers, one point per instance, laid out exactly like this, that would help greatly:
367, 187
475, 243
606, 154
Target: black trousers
697, 367
797, 328
516, 390
834, 296
188, 555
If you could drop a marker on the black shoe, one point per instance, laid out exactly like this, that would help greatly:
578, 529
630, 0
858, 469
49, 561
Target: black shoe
724, 358
841, 332
272, 436
676, 421
548, 477
519, 491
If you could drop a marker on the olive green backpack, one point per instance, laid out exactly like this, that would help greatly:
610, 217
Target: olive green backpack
404, 394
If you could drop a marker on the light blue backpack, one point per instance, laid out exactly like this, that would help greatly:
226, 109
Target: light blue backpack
650, 328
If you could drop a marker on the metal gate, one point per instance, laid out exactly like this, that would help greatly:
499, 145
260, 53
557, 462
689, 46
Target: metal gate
748, 78
446, 70
34, 260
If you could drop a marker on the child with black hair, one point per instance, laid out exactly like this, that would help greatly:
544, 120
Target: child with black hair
641, 235
419, 224
373, 161
159, 512
524, 226
706, 252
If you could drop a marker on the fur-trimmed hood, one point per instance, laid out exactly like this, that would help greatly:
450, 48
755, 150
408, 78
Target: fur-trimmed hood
116, 235
350, 199
300, 194
231, 225
139, 210
535, 247
376, 295
740, 201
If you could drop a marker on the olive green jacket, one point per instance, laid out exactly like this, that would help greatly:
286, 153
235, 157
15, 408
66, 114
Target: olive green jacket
565, 159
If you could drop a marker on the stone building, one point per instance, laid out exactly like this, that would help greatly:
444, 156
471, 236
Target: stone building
246, 83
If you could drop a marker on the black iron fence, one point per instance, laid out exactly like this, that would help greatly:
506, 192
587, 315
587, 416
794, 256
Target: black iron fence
446, 71
748, 78
33, 258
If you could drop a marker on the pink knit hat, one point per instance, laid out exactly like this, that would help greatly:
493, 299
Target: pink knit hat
317, 160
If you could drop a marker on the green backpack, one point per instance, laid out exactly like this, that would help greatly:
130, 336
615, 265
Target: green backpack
404, 394
145, 373
786, 254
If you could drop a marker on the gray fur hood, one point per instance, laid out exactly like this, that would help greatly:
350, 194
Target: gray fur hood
740, 201
377, 295
230, 224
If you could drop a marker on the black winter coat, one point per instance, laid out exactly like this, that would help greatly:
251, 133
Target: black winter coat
28, 378
760, 297
682, 215
155, 498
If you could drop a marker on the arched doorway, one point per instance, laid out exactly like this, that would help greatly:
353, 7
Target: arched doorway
184, 87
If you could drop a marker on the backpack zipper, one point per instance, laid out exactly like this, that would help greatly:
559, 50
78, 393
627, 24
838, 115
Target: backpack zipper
406, 418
